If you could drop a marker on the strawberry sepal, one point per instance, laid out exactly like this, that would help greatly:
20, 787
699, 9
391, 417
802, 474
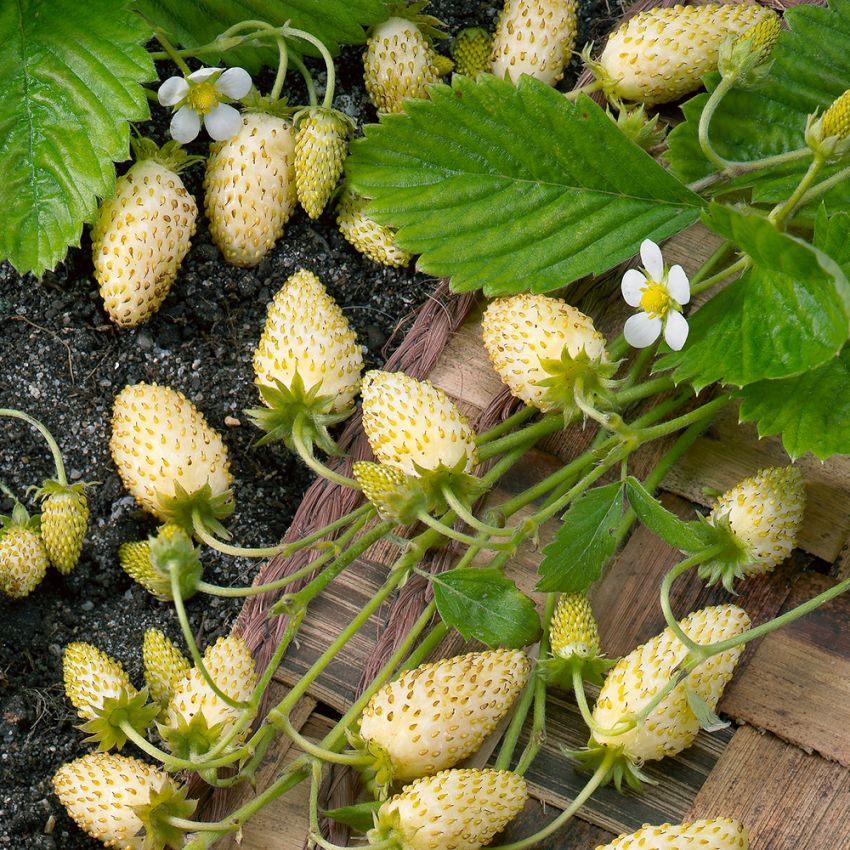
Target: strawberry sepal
130, 707
621, 768
169, 801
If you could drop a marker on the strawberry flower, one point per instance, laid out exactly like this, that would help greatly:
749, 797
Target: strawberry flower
204, 95
660, 293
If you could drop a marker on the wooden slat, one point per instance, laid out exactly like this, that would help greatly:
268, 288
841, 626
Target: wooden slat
575, 835
797, 684
729, 452
788, 799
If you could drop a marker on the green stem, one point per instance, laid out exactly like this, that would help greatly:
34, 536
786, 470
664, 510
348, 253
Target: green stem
738, 266
189, 825
737, 168
51, 442
470, 519
193, 647
706, 411
514, 730
326, 56
824, 186
171, 52
581, 701
724, 86
520, 416
308, 78
549, 424
170, 761
781, 211
283, 58
305, 451
285, 724
654, 386
459, 536
584, 795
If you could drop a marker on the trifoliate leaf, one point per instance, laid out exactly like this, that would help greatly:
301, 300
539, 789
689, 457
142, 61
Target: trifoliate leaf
687, 536
585, 541
787, 314
811, 67
70, 76
486, 606
333, 22
513, 188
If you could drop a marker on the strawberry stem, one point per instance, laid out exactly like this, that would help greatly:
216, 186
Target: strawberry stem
723, 87
171, 51
464, 513
282, 722
459, 536
328, 59
781, 211
51, 442
308, 79
305, 451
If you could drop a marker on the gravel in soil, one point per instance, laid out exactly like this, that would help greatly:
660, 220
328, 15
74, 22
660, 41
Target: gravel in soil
63, 362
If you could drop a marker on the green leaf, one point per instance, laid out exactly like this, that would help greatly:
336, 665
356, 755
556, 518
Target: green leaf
70, 76
334, 22
514, 188
787, 314
687, 536
484, 605
811, 67
585, 541
708, 720
359, 816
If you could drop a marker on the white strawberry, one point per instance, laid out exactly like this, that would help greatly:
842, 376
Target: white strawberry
534, 37
142, 233
250, 190
710, 834
436, 715
320, 150
165, 666
91, 676
374, 240
23, 555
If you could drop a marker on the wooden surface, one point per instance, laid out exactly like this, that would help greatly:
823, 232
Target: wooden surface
795, 684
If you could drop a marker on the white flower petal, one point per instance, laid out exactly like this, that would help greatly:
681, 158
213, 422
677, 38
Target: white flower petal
653, 262
234, 83
203, 74
678, 285
223, 122
634, 282
641, 330
675, 330
185, 125
172, 91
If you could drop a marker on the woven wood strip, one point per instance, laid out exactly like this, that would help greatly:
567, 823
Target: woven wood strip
790, 800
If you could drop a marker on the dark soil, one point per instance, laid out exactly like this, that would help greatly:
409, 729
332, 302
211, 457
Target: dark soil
63, 362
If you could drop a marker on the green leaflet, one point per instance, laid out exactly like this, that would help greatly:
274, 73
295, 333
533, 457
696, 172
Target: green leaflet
486, 606
195, 22
584, 542
512, 189
70, 77
811, 68
789, 313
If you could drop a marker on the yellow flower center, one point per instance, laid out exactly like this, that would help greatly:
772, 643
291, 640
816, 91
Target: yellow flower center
203, 97
656, 299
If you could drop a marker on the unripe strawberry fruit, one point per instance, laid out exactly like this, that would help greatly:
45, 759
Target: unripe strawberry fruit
368, 237
398, 64
711, 834
836, 119
90, 677
165, 666
635, 679
231, 665
662, 54
765, 514
394, 494
23, 556
435, 716
320, 150
521, 333
64, 522
306, 331
414, 426
249, 188
573, 630
454, 810
162, 445
102, 791
139, 239
471, 51
135, 560
534, 37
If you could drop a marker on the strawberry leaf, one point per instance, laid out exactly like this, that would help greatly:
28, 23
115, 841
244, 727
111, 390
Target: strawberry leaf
70, 78
811, 67
687, 536
334, 22
359, 816
585, 541
485, 606
514, 189
787, 314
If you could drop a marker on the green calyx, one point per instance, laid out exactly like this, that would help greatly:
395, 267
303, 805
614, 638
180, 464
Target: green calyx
746, 58
635, 125
732, 558
285, 406
606, 82
20, 518
128, 708
190, 740
431, 27
387, 827
395, 495
169, 801
51, 487
377, 775
433, 482
171, 155
621, 768
344, 124
578, 382
257, 103
175, 554
559, 671
210, 509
